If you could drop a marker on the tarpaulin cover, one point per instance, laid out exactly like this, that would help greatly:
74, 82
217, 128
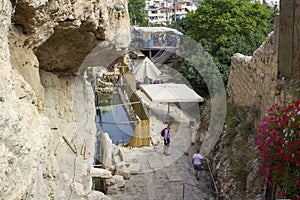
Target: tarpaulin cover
141, 136
170, 93
146, 69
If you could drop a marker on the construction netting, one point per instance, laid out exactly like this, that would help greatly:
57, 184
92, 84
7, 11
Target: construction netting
141, 136
138, 108
130, 79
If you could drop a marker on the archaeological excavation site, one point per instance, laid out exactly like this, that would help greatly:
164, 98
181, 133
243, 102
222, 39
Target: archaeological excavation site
89, 102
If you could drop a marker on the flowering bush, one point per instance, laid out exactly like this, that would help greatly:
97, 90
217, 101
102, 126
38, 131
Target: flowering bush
278, 145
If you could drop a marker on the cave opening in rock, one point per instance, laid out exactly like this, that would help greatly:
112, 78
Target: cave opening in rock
99, 184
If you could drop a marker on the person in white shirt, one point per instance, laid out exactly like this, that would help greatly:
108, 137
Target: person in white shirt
197, 161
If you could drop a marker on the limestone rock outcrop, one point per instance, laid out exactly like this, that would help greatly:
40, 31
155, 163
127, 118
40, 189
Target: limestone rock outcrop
45, 101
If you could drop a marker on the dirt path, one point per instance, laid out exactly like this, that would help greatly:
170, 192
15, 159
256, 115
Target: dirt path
167, 182
165, 177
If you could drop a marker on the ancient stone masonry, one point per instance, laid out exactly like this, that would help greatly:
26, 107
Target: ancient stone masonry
43, 46
253, 79
255, 83
252, 84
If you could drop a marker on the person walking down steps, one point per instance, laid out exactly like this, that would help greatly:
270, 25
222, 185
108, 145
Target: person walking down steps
167, 140
197, 161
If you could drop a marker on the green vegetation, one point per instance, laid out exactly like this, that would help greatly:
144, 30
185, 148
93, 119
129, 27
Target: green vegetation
51, 196
226, 27
137, 12
237, 141
194, 77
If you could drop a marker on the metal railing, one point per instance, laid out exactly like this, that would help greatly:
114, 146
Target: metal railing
212, 177
214, 191
199, 187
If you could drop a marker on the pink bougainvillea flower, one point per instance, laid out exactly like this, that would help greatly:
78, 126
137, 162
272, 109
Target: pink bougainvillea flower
278, 146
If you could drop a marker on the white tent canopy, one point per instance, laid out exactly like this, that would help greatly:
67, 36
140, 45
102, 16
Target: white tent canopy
170, 93
146, 69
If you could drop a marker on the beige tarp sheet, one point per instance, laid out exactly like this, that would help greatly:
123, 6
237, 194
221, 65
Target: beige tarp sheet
146, 69
141, 136
130, 78
138, 108
170, 93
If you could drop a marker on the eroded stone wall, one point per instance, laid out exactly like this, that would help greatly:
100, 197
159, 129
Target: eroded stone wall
253, 79
254, 85
23, 148
45, 47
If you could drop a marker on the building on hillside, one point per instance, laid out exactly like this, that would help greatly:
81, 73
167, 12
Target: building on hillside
190, 6
271, 3
156, 15
163, 12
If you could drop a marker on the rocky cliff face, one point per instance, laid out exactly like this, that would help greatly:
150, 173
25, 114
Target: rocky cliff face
45, 47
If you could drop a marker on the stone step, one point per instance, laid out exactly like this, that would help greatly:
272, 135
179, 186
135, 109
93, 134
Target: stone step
156, 163
173, 174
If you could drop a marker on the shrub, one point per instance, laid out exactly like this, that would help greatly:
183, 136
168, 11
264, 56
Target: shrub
278, 146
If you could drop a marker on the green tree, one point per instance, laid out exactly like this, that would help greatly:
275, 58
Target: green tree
137, 12
180, 25
226, 27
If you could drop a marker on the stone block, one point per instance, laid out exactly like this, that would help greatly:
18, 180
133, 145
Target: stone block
93, 195
117, 159
110, 182
113, 168
112, 189
122, 154
123, 172
107, 151
101, 173
156, 163
116, 151
119, 180
134, 168
120, 165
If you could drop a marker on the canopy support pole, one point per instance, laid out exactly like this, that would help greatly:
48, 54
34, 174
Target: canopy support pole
167, 120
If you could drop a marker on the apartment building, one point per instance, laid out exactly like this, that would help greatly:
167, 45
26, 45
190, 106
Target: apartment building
166, 11
271, 3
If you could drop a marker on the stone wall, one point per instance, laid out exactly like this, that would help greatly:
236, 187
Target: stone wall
45, 47
254, 85
253, 79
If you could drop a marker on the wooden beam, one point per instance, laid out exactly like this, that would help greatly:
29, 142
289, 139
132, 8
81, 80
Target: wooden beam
69, 144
